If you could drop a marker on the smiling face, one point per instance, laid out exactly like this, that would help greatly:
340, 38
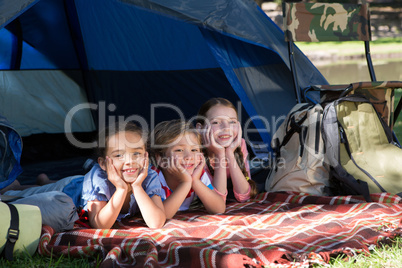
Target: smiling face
187, 151
224, 125
127, 151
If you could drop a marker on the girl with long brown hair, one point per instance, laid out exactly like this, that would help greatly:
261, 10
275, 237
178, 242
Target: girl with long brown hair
225, 150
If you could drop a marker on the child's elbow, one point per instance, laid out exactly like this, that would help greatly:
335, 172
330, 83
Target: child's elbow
157, 224
218, 209
222, 210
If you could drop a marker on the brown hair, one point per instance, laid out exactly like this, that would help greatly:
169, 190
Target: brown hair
202, 112
167, 132
113, 129
201, 118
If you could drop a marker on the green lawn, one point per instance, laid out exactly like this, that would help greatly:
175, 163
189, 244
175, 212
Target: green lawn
383, 257
26, 261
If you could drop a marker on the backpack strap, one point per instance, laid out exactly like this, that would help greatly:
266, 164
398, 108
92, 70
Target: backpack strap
13, 232
344, 140
292, 126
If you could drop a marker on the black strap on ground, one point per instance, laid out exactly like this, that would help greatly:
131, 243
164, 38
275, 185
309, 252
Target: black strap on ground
13, 232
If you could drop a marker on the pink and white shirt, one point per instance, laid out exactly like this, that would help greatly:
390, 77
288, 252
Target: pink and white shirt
239, 197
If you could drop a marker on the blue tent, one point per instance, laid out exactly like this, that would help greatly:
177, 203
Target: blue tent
72, 65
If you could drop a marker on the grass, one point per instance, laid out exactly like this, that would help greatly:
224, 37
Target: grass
36, 261
379, 257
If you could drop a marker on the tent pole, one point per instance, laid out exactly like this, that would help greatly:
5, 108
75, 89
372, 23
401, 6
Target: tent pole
293, 70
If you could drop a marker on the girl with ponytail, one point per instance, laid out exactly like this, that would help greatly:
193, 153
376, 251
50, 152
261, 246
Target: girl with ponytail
225, 150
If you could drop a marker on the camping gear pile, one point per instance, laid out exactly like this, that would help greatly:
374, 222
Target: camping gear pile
345, 148
344, 144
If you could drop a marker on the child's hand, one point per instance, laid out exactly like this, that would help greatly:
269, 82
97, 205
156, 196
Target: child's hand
143, 172
199, 168
113, 176
210, 142
236, 141
175, 169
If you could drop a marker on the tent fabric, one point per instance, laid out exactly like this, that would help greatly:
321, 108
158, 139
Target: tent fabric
133, 56
9, 10
43, 109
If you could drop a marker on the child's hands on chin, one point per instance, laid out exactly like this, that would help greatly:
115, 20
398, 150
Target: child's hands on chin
199, 168
210, 142
174, 168
143, 171
236, 141
113, 176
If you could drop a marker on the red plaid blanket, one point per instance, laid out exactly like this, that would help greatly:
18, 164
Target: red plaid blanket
286, 229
